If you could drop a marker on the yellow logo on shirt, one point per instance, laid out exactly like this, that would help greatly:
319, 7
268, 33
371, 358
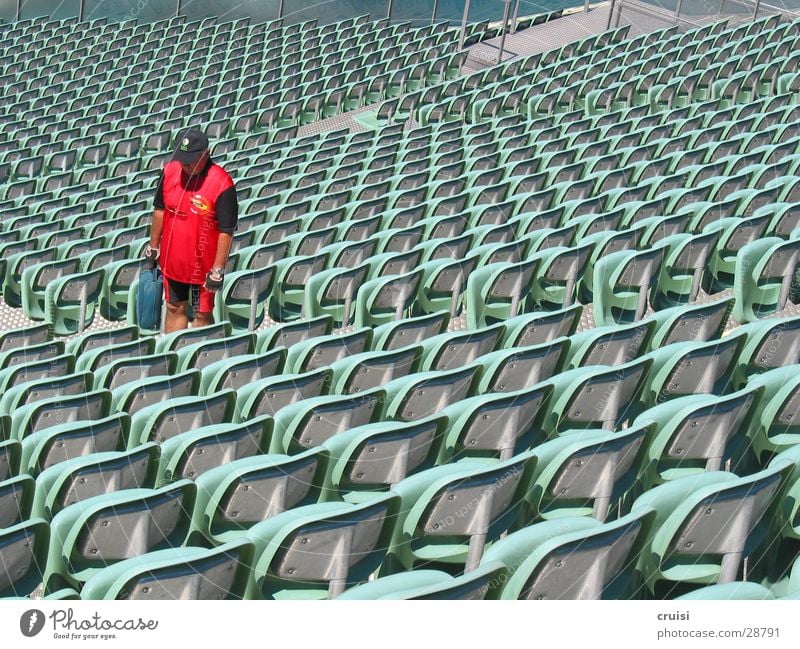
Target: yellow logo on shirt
200, 203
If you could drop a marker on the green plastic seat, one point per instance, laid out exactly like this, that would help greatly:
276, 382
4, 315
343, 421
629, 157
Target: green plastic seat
135, 368
10, 453
432, 529
541, 327
68, 385
187, 573
765, 271
388, 298
120, 276
100, 531
681, 273
240, 371
16, 498
735, 590
23, 337
319, 551
698, 433
610, 345
409, 331
360, 372
201, 354
322, 351
771, 343
29, 419
63, 442
72, 481
587, 473
786, 520
574, 558
97, 357
735, 234
429, 585
192, 453
691, 323
234, 497
71, 301
688, 368
557, 276
291, 278
333, 292
706, 525
517, 368
310, 422
371, 458
14, 267
596, 397
161, 421
459, 348
35, 280
622, 282
24, 552
269, 395
603, 244
495, 426
288, 334
424, 394
91, 340
774, 429
135, 395
174, 341
243, 298
443, 285
498, 292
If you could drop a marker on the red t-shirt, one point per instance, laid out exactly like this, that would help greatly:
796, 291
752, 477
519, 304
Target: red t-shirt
196, 210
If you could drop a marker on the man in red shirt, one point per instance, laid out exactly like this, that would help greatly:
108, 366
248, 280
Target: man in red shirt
194, 218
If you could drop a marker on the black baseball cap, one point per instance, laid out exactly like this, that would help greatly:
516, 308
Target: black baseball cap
191, 145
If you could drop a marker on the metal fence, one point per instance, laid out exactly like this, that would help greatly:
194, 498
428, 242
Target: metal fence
649, 15
291, 11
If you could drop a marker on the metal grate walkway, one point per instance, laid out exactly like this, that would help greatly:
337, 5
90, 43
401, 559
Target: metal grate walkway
540, 38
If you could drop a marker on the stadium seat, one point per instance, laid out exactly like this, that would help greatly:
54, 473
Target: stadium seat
765, 270
187, 573
100, 531
192, 453
429, 585
597, 396
685, 546
311, 422
585, 473
160, 421
72, 481
570, 558
233, 497
318, 551
429, 530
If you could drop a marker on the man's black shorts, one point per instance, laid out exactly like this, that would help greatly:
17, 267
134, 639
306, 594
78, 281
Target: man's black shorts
195, 294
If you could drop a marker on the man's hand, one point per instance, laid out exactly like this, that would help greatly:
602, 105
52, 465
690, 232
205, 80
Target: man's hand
151, 255
214, 279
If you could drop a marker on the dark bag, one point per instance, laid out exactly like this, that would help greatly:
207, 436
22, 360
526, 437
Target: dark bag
149, 297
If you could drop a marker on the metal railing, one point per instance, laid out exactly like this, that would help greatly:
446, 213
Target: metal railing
753, 10
439, 9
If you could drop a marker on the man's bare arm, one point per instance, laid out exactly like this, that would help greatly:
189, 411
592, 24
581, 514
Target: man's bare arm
223, 249
156, 228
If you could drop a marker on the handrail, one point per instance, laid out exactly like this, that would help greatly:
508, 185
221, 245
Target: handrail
676, 17
781, 10
648, 9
